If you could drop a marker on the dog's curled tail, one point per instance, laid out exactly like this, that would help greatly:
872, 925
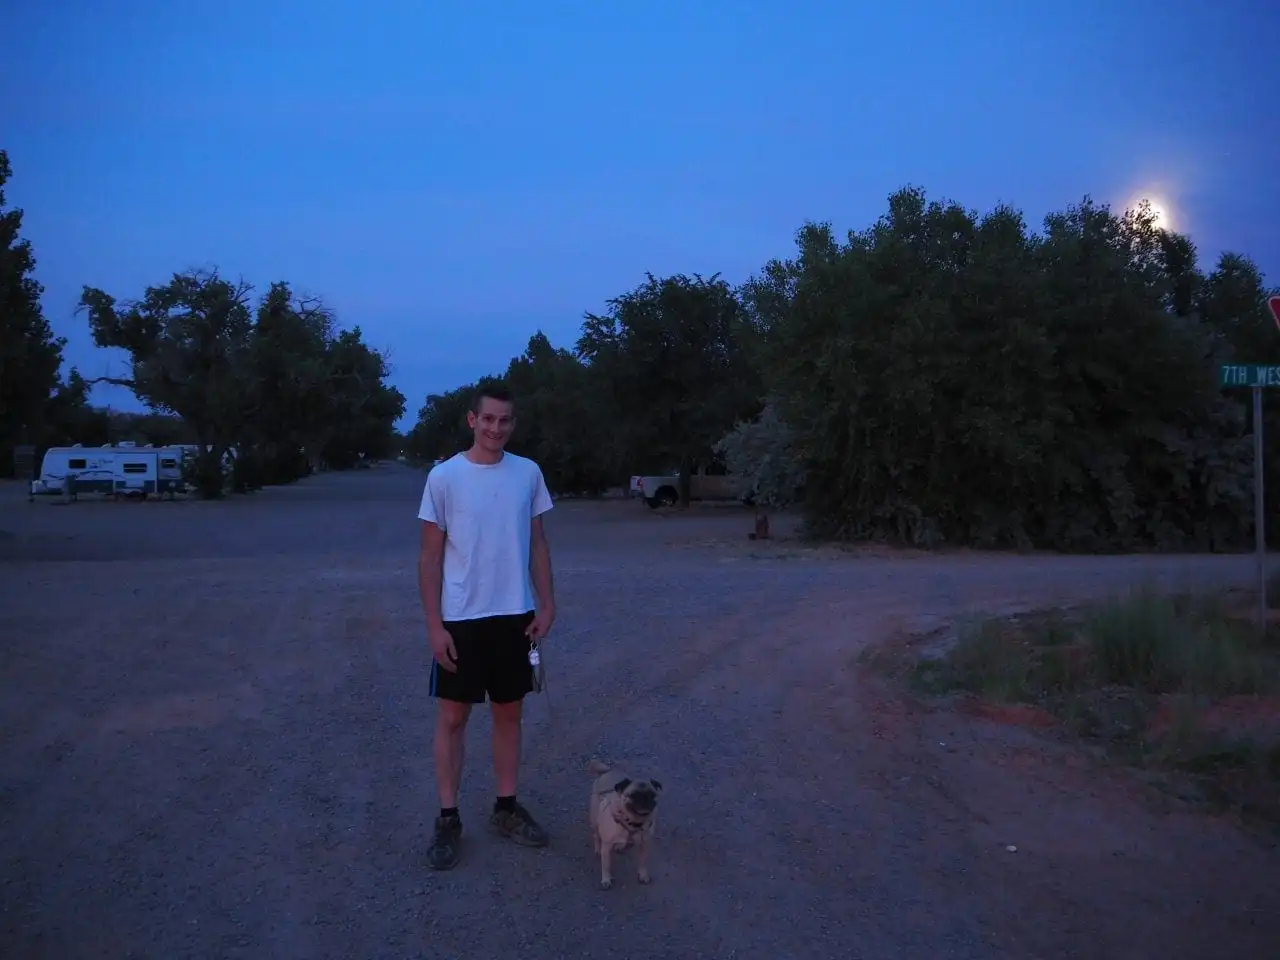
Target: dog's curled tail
597, 767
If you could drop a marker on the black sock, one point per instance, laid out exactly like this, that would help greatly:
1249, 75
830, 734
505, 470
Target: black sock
505, 803
448, 811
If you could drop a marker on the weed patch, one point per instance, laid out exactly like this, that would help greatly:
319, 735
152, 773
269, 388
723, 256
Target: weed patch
1182, 684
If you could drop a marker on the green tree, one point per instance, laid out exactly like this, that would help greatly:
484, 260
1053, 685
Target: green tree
563, 419
1231, 301
70, 419
676, 358
441, 429
279, 387
950, 378
189, 348
36, 406
289, 359
363, 408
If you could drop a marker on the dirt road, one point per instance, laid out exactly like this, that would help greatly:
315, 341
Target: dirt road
216, 743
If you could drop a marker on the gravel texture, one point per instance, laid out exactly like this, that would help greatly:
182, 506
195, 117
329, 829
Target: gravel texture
216, 743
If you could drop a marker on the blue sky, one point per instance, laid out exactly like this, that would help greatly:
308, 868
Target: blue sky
454, 176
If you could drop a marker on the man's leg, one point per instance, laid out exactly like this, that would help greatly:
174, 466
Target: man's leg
510, 679
507, 730
454, 692
450, 749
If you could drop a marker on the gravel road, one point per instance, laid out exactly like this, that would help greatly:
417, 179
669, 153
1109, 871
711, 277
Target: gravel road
216, 743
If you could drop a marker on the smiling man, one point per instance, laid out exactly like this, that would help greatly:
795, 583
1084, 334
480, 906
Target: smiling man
483, 557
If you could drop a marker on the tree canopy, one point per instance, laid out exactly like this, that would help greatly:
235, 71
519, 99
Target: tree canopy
37, 406
279, 385
942, 376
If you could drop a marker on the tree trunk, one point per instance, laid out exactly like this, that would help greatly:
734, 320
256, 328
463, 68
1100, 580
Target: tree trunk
209, 470
686, 482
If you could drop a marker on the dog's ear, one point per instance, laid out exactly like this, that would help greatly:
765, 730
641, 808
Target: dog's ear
657, 784
622, 784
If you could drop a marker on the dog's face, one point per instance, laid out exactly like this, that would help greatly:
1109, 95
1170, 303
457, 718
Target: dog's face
639, 797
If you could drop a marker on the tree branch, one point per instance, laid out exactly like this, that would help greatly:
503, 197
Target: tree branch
114, 381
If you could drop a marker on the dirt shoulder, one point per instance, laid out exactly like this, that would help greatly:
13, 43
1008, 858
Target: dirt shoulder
216, 743
1182, 688
1131, 741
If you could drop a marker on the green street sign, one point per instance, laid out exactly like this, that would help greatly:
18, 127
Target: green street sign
1249, 375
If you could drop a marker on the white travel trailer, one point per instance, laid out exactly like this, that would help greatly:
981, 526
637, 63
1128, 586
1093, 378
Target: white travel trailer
123, 470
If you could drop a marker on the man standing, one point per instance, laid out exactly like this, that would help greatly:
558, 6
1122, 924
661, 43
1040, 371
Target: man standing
483, 556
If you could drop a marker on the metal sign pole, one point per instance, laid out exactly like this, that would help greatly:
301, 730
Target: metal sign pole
1259, 510
1257, 377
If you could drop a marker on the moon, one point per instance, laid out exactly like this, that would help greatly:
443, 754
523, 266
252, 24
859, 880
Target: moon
1161, 212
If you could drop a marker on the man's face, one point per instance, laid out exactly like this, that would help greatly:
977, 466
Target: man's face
492, 426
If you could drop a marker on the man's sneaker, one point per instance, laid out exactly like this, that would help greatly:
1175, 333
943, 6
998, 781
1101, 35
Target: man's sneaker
444, 851
516, 824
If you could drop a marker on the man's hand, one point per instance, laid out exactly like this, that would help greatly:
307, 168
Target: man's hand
442, 646
540, 625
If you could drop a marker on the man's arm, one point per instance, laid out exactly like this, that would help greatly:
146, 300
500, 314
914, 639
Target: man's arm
431, 573
540, 567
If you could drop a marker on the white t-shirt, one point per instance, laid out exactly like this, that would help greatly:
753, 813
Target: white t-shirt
486, 511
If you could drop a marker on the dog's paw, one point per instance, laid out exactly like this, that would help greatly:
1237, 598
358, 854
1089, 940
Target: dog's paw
606, 883
643, 876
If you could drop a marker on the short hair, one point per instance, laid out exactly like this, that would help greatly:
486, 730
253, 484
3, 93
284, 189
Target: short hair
494, 390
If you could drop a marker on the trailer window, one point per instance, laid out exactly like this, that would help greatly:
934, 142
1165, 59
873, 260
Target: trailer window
168, 464
134, 468
78, 463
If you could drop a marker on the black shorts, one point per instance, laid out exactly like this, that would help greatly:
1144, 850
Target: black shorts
493, 659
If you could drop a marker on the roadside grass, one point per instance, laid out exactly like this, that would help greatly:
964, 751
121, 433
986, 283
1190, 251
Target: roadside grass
1182, 685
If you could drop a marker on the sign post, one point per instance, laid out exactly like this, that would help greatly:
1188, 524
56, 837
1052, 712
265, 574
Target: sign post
1259, 512
1257, 377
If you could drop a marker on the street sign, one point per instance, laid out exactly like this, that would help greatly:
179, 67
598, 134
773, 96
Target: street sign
1249, 375
1258, 377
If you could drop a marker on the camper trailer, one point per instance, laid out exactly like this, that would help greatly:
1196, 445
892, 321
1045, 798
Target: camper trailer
122, 470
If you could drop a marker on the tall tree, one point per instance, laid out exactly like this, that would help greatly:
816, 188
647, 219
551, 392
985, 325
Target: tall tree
441, 428
189, 349
289, 359
563, 419
675, 354
32, 395
950, 378
363, 408
1231, 301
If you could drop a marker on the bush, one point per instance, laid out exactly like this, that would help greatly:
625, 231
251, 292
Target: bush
762, 458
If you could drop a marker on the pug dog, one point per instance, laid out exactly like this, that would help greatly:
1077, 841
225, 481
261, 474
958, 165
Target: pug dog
622, 812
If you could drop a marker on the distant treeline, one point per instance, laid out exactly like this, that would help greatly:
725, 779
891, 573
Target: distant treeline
279, 382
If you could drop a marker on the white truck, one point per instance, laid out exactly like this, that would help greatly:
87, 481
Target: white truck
663, 490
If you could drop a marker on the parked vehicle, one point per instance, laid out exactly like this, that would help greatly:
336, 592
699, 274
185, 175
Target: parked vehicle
663, 490
122, 470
